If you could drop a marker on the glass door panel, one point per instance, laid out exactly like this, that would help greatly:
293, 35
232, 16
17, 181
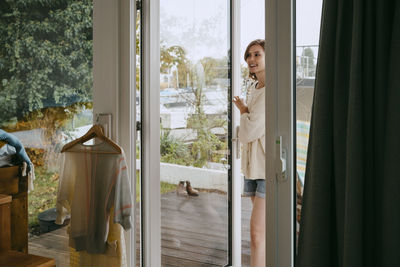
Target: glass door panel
250, 16
307, 36
194, 114
46, 100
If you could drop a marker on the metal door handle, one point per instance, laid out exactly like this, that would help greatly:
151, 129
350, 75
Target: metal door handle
236, 140
280, 161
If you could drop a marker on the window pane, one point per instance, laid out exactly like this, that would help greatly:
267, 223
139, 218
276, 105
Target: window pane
307, 30
252, 27
46, 96
194, 117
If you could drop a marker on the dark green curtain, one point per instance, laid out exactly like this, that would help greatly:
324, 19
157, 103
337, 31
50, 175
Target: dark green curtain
351, 201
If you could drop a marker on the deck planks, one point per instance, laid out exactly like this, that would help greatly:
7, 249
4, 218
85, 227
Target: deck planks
53, 245
193, 233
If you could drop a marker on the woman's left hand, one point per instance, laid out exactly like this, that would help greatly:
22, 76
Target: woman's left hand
240, 105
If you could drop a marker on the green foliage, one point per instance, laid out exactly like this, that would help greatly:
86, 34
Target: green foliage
164, 187
45, 55
175, 56
204, 147
196, 154
202, 150
204, 73
174, 59
82, 119
170, 56
214, 68
167, 187
44, 195
173, 150
138, 149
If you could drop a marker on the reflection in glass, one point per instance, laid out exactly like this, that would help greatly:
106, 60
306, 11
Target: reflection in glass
46, 86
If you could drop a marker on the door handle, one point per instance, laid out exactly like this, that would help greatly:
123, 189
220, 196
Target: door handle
280, 161
237, 142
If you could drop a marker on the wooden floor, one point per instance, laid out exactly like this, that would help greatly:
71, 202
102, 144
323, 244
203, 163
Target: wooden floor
193, 233
51, 245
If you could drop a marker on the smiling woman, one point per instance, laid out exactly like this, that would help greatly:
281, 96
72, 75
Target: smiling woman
252, 137
255, 59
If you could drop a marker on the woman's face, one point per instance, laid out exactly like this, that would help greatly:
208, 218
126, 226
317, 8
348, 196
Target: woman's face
256, 59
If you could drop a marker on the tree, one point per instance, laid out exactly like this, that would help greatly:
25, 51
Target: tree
206, 142
214, 68
45, 55
195, 78
175, 56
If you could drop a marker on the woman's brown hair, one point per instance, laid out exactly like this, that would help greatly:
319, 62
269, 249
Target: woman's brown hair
259, 42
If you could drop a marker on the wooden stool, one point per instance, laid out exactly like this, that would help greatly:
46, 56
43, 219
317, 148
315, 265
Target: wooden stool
14, 258
18, 259
12, 183
5, 222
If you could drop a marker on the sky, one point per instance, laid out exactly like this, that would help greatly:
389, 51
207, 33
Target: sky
201, 26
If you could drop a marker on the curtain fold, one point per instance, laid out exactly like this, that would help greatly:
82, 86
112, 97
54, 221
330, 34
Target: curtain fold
351, 201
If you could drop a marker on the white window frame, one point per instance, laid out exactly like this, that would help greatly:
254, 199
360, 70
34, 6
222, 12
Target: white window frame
151, 138
150, 134
236, 175
279, 32
114, 81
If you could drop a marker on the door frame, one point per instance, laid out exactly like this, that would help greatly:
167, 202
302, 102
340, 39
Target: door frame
151, 219
280, 132
114, 82
236, 178
150, 133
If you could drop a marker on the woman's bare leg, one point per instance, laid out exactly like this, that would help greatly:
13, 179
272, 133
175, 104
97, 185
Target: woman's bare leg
257, 233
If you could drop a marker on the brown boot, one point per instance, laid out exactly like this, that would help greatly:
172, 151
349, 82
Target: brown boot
190, 190
180, 189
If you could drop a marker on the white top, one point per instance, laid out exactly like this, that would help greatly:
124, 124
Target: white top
90, 184
252, 134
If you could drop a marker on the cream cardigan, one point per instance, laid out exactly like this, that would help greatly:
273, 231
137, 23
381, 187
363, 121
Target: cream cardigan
252, 134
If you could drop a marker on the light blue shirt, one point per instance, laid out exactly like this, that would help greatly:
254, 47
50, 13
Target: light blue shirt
20, 150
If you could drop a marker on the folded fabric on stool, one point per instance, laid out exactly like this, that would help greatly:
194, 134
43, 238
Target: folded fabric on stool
19, 149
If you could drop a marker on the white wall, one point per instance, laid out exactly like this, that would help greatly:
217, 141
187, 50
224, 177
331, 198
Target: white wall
111, 72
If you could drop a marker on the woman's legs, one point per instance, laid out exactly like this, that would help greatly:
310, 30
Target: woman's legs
257, 232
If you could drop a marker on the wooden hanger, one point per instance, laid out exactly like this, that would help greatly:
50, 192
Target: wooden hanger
95, 131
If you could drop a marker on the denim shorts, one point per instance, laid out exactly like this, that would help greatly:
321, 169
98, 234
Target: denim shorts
254, 188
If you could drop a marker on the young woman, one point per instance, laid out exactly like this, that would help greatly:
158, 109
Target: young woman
252, 136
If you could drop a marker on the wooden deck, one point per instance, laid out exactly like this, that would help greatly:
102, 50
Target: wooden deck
193, 233
51, 245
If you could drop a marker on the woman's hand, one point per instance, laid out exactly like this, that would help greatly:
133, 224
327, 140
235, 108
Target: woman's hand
240, 105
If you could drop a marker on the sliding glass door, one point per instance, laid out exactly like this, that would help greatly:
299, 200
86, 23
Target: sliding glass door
187, 151
279, 32
190, 70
